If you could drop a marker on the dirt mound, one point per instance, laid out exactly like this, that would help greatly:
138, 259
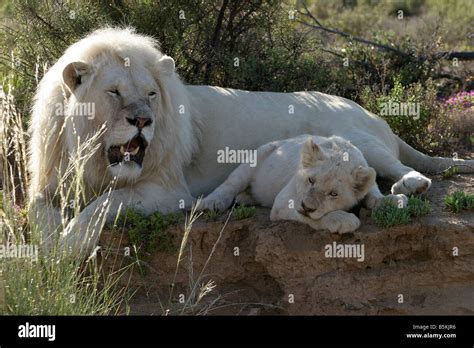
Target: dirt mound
260, 267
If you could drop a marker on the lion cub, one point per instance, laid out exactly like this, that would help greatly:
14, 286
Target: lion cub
311, 179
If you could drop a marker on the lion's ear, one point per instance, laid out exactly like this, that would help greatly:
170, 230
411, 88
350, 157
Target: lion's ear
73, 74
311, 153
166, 65
364, 179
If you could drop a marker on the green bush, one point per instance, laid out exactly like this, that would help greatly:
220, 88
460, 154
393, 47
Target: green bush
211, 215
244, 212
274, 52
458, 201
147, 233
418, 206
428, 130
389, 214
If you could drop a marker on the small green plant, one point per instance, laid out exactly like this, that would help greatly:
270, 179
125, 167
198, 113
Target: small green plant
418, 206
244, 212
390, 215
211, 215
458, 201
147, 233
450, 172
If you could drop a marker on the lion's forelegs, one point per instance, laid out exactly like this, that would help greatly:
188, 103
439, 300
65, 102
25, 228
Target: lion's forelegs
45, 220
83, 232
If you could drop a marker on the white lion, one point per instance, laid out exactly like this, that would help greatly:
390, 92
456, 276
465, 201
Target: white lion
311, 179
161, 137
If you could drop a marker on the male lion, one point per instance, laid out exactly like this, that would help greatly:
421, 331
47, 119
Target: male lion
158, 148
311, 179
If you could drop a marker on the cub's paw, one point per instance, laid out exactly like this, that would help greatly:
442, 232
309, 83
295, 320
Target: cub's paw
216, 203
412, 183
340, 221
399, 200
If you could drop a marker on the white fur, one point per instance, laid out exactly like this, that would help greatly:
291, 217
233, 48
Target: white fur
303, 173
183, 147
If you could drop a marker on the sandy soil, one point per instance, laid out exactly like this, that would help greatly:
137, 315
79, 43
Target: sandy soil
281, 267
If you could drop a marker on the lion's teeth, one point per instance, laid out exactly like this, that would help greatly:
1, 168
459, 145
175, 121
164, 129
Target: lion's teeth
134, 152
122, 150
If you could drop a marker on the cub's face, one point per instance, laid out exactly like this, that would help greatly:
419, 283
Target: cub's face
127, 98
325, 183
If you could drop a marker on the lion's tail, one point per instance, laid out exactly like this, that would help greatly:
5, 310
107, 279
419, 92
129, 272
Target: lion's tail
424, 163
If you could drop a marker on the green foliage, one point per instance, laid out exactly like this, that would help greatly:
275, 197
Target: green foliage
207, 38
418, 206
389, 214
244, 212
458, 201
59, 286
147, 233
450, 172
428, 130
211, 215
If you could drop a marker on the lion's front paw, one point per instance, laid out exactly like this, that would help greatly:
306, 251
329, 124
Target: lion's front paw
79, 237
412, 183
215, 202
340, 222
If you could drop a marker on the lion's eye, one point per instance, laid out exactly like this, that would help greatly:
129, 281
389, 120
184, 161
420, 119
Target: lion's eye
333, 194
311, 180
114, 92
152, 94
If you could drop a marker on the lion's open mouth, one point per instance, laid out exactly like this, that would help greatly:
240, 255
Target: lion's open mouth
132, 151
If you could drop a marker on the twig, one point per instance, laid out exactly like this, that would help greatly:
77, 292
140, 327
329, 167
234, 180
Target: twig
440, 55
319, 26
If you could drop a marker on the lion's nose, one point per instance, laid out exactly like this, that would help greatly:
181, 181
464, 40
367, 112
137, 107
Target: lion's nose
139, 122
307, 209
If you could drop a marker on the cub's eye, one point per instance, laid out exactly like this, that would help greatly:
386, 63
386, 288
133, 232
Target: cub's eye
311, 180
332, 194
114, 92
152, 94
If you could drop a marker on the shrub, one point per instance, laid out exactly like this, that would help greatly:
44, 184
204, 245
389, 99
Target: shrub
147, 233
429, 131
244, 212
211, 215
458, 201
418, 206
389, 214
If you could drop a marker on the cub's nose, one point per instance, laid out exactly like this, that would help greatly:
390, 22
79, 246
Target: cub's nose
307, 209
139, 122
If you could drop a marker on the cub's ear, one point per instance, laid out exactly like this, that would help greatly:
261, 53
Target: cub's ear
311, 153
73, 74
364, 179
166, 66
